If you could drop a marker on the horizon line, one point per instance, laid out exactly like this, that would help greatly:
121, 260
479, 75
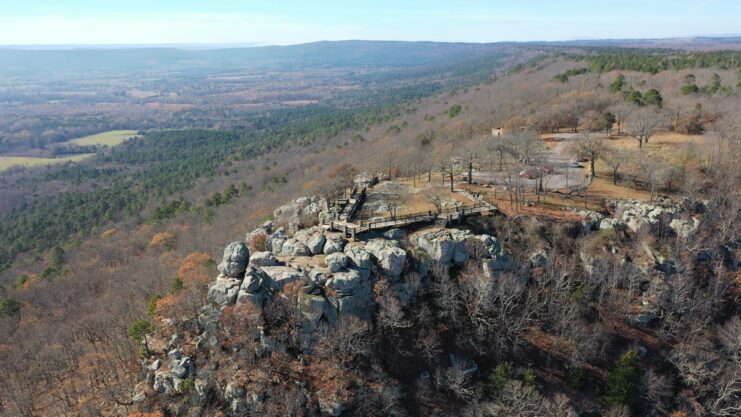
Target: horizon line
218, 45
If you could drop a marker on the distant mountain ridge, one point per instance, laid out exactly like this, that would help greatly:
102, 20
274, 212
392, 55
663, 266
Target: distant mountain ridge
20, 60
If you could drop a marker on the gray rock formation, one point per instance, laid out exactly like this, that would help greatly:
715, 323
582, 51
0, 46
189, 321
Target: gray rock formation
346, 283
684, 228
275, 241
263, 259
394, 234
293, 247
334, 244
639, 216
359, 257
282, 275
336, 261
236, 256
443, 245
313, 238
163, 382
389, 256
224, 291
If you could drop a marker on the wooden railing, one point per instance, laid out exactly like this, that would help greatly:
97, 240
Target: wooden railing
452, 213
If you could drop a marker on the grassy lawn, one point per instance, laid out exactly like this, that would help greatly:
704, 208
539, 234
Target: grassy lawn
29, 161
111, 138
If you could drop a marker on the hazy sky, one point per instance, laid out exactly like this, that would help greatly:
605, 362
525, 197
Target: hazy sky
292, 21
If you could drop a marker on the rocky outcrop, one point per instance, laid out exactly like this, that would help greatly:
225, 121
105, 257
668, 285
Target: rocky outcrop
443, 245
496, 258
313, 238
336, 261
224, 292
684, 228
300, 211
234, 262
280, 276
293, 247
275, 241
389, 256
255, 286
639, 216
263, 259
592, 220
359, 257
334, 244
259, 235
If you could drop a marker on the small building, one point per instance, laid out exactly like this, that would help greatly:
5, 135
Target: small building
496, 131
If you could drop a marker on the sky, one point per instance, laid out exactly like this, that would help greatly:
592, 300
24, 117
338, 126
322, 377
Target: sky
53, 22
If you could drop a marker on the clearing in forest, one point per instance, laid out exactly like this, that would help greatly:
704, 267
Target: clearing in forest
110, 138
7, 162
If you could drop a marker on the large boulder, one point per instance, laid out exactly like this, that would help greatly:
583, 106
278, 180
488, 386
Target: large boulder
281, 275
390, 257
274, 242
314, 308
336, 261
313, 238
287, 211
234, 262
346, 283
684, 228
264, 258
359, 257
293, 247
445, 246
394, 234
181, 368
360, 304
256, 279
224, 291
334, 244
163, 382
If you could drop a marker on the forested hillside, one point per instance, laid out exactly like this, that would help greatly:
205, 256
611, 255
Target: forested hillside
99, 256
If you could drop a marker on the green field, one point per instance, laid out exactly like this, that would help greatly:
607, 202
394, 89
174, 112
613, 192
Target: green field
29, 161
112, 138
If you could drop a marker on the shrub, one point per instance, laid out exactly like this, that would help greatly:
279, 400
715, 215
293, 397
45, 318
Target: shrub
455, 111
257, 242
176, 286
9, 307
530, 378
152, 305
187, 385
164, 239
139, 329
623, 382
499, 377
576, 378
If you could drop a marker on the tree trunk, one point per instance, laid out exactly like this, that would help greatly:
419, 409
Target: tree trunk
614, 176
470, 172
451, 181
592, 166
